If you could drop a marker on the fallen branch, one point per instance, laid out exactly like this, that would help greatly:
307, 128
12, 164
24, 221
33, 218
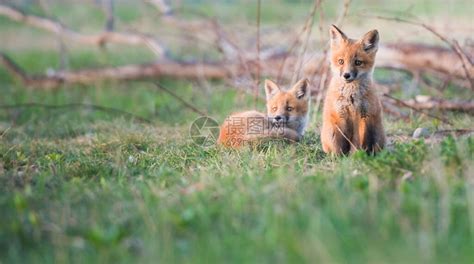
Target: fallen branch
392, 110
441, 104
121, 73
402, 103
454, 46
173, 69
405, 56
92, 39
415, 57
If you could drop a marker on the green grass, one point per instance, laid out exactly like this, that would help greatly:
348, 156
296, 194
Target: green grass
122, 192
90, 186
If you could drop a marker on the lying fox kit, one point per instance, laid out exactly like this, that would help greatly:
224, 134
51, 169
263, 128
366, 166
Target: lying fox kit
286, 118
352, 115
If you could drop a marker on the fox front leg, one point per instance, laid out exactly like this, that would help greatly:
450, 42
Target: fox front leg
371, 136
337, 138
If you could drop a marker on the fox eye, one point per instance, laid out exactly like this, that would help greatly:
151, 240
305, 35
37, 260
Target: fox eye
340, 61
274, 108
358, 62
289, 108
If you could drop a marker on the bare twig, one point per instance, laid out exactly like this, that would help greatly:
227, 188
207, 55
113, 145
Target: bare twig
92, 39
177, 97
295, 43
443, 105
257, 81
162, 6
393, 111
405, 104
345, 10
316, 5
109, 10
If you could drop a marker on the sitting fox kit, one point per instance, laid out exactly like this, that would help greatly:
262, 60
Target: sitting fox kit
286, 118
352, 115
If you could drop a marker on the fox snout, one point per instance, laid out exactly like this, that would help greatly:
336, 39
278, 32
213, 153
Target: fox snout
281, 118
349, 76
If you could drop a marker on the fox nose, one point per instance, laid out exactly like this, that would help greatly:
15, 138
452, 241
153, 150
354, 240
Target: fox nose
347, 76
278, 118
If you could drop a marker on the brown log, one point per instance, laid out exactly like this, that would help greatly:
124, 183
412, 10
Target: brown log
120, 73
463, 58
91, 39
421, 57
442, 105
423, 104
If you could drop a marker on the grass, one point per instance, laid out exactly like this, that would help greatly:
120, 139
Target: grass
124, 192
83, 185
90, 186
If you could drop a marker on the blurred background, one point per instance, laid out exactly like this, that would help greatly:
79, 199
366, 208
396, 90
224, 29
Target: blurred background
236, 33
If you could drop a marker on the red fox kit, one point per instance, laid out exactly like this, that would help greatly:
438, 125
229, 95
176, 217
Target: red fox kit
286, 118
352, 115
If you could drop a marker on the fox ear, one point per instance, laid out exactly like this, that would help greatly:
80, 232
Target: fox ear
370, 41
301, 89
271, 88
336, 35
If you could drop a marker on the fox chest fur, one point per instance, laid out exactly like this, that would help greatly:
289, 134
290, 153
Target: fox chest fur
351, 101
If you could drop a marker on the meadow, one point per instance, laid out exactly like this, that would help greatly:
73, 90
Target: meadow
107, 173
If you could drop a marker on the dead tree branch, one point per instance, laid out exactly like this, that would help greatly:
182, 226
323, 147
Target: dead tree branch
406, 56
413, 57
392, 110
441, 105
92, 39
120, 73
403, 103
465, 62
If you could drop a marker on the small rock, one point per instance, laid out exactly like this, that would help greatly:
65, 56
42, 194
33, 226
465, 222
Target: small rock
422, 98
407, 176
421, 132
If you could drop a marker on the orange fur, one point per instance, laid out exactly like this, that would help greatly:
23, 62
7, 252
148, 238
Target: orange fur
352, 115
286, 117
